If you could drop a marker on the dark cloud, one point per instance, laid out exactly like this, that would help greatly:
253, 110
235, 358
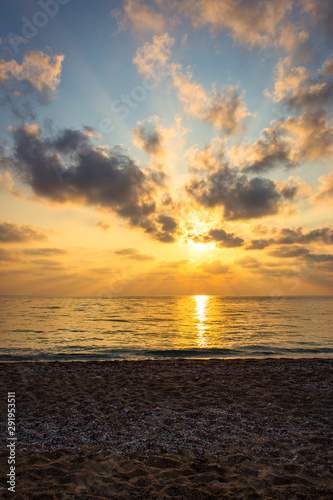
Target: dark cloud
290, 252
259, 244
299, 89
148, 138
320, 257
270, 150
66, 168
168, 224
314, 95
291, 140
69, 141
163, 228
112, 181
14, 233
241, 198
288, 236
133, 253
19, 106
321, 11
223, 239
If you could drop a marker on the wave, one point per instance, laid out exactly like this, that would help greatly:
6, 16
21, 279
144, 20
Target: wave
199, 353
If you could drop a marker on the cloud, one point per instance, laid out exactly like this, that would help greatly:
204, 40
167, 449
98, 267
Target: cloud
47, 263
321, 11
139, 17
155, 56
241, 198
325, 191
17, 233
290, 252
164, 229
297, 236
223, 108
311, 134
214, 267
66, 168
248, 262
319, 257
298, 88
105, 226
148, 137
259, 244
38, 72
289, 236
44, 251
222, 238
7, 256
288, 142
209, 157
270, 150
251, 23
288, 79
134, 254
7, 184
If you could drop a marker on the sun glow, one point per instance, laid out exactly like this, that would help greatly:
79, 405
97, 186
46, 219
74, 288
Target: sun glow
201, 302
199, 247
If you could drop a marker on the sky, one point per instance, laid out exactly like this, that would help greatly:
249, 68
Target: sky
166, 147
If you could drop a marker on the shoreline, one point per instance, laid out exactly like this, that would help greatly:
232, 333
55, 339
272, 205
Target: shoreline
180, 428
161, 359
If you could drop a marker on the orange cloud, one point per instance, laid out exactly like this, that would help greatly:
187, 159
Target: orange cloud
224, 109
287, 79
140, 17
154, 56
311, 135
7, 185
17, 233
251, 23
37, 71
299, 89
325, 192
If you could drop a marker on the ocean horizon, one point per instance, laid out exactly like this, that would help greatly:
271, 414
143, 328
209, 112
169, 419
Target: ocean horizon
36, 328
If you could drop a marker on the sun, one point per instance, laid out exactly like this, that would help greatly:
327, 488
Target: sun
199, 247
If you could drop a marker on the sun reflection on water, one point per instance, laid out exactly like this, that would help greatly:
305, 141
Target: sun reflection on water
201, 302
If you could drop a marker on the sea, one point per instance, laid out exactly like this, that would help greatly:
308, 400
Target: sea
198, 326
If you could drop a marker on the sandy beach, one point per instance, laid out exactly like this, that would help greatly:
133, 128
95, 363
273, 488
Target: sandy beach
189, 429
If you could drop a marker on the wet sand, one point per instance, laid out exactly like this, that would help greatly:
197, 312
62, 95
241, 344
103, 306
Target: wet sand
189, 429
